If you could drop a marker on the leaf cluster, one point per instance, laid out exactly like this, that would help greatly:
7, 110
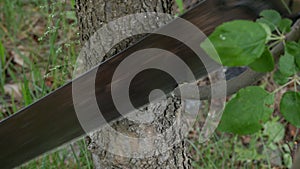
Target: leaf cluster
249, 43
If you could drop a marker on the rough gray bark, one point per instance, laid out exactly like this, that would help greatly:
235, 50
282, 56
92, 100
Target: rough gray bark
92, 15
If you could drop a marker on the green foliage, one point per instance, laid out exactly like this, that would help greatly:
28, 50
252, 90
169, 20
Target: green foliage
287, 158
26, 92
2, 67
180, 6
274, 21
288, 161
246, 43
246, 154
287, 64
73, 3
274, 131
236, 42
265, 63
297, 59
290, 107
294, 49
271, 18
2, 53
279, 78
285, 25
245, 113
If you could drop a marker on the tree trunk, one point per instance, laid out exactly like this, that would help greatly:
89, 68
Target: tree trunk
107, 150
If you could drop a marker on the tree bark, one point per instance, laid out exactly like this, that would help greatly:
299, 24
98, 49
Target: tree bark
92, 15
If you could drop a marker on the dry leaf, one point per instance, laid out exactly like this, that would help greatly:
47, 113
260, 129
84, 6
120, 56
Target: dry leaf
17, 58
13, 90
246, 140
292, 130
38, 30
49, 81
2, 109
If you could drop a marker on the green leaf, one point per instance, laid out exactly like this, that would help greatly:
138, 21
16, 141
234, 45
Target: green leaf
244, 154
270, 17
267, 29
287, 64
71, 15
180, 6
287, 160
279, 78
294, 49
265, 63
245, 113
274, 130
238, 43
297, 60
285, 25
290, 107
266, 22
2, 54
73, 4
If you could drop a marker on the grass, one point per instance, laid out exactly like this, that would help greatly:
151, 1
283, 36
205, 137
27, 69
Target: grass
38, 48
229, 152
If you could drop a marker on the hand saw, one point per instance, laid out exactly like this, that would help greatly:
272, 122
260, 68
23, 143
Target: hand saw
52, 121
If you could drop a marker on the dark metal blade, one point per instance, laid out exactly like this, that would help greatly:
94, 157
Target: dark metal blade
52, 121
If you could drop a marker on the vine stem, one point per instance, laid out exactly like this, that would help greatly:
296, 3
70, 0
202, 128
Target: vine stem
298, 82
276, 29
279, 37
286, 6
274, 44
295, 85
283, 86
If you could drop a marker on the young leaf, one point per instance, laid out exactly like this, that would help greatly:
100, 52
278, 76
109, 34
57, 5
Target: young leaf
238, 43
245, 113
270, 17
263, 64
285, 25
267, 29
279, 78
292, 48
290, 107
287, 160
274, 130
266, 22
287, 64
